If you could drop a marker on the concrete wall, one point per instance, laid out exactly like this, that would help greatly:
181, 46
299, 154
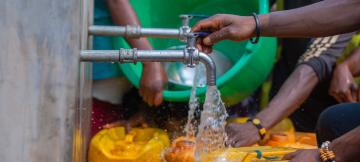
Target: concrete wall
40, 42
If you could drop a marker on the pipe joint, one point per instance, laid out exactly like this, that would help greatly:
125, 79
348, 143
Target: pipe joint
132, 31
128, 55
191, 56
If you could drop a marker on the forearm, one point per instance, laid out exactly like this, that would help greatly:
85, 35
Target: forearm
291, 95
122, 13
353, 62
347, 147
325, 18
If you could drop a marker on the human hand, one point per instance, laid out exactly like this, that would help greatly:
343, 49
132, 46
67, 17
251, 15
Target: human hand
224, 26
245, 134
343, 86
312, 155
153, 79
137, 120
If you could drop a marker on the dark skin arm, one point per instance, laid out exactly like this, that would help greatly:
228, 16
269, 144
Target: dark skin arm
291, 95
346, 149
153, 77
317, 20
343, 86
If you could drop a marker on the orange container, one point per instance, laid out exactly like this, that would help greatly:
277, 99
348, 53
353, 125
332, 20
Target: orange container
182, 150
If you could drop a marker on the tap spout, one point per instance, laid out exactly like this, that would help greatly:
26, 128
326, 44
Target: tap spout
134, 56
210, 68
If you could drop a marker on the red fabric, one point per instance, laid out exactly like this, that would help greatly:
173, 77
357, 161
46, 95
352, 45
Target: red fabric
104, 113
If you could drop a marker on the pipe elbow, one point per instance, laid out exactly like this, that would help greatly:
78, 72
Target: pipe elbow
210, 68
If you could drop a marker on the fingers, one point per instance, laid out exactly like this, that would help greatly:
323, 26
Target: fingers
354, 91
147, 96
237, 142
290, 156
202, 47
206, 43
240, 144
217, 36
337, 97
158, 98
231, 138
208, 24
234, 138
349, 96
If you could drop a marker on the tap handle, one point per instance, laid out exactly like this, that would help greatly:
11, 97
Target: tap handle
202, 34
199, 16
187, 17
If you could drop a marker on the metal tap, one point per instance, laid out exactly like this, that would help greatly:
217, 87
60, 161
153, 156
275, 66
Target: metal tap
133, 31
190, 55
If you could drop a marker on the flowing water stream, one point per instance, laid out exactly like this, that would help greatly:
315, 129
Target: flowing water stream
211, 133
191, 125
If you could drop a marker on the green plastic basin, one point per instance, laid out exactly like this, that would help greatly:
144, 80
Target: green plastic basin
251, 63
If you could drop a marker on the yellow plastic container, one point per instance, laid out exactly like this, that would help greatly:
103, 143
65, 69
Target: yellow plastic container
248, 154
139, 145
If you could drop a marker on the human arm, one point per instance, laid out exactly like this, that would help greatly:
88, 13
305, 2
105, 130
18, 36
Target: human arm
153, 76
317, 20
346, 149
320, 19
291, 95
314, 66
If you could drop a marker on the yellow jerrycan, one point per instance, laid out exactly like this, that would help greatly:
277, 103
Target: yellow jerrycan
139, 145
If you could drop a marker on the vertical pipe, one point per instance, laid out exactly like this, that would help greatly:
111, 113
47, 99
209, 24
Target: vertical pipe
83, 109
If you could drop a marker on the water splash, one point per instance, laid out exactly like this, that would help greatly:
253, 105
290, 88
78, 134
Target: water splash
191, 125
210, 130
211, 135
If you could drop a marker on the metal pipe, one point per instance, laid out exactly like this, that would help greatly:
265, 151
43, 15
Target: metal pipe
100, 55
134, 55
210, 68
134, 31
107, 30
160, 56
160, 33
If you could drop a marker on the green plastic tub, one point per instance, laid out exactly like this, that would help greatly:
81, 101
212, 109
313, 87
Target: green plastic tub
251, 63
